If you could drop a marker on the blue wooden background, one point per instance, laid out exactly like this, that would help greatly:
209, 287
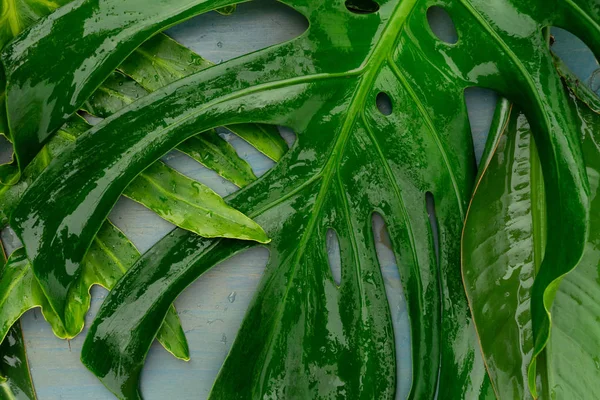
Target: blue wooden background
213, 307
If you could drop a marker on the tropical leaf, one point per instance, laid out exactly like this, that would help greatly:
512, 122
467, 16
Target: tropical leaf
16, 16
150, 18
108, 259
15, 378
503, 247
160, 61
305, 336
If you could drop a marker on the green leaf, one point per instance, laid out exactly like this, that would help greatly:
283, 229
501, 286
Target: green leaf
15, 379
210, 150
161, 61
503, 246
27, 82
191, 205
17, 15
109, 257
118, 91
304, 336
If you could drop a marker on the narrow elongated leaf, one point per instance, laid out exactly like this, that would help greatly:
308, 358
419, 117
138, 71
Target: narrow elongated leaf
503, 245
16, 16
108, 259
191, 205
32, 118
210, 150
105, 263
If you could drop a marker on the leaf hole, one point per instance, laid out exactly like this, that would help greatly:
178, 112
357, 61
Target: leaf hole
384, 103
441, 25
578, 57
397, 303
10, 240
334, 255
433, 223
362, 6
219, 38
481, 104
6, 150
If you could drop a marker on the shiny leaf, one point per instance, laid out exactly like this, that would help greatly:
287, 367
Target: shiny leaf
15, 378
108, 259
27, 87
161, 60
503, 247
191, 205
304, 336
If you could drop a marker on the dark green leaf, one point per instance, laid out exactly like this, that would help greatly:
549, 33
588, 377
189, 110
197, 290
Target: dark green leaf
304, 337
108, 259
86, 24
503, 246
15, 378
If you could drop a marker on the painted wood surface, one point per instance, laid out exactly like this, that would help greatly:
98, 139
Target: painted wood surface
213, 307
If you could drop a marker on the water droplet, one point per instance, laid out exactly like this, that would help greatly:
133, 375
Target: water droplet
219, 44
224, 339
231, 296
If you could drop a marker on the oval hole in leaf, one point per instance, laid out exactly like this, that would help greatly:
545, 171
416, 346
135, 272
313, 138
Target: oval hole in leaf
218, 38
362, 6
397, 303
384, 103
430, 206
577, 56
442, 25
481, 104
6, 150
10, 241
334, 256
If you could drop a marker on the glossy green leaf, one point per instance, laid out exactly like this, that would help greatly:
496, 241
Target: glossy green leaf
210, 150
15, 378
503, 246
161, 61
16, 16
191, 205
350, 160
108, 259
32, 118
118, 91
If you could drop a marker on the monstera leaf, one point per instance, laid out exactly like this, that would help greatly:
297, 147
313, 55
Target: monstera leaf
304, 335
503, 248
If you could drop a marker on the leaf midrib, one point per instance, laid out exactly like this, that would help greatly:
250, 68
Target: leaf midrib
375, 60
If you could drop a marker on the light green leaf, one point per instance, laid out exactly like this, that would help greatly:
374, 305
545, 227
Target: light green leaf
191, 205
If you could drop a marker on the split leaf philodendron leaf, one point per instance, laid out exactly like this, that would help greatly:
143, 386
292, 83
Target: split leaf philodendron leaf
15, 16
503, 246
27, 89
108, 259
304, 336
161, 61
209, 148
